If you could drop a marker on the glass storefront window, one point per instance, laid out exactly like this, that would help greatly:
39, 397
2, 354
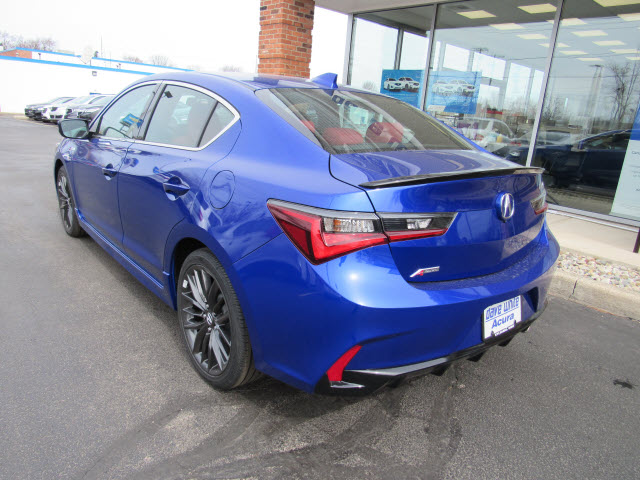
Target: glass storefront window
373, 49
413, 55
590, 104
486, 70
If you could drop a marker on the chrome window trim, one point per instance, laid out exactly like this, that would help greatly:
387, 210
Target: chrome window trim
209, 93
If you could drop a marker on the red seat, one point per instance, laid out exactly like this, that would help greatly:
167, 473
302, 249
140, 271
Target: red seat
385, 132
309, 124
342, 136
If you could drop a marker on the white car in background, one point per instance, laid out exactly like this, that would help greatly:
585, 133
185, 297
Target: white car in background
409, 84
59, 111
392, 84
488, 133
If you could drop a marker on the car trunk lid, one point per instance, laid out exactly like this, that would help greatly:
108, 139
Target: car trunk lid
468, 183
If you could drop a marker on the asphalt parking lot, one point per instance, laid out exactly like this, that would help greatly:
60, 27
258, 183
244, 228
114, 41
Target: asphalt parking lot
94, 382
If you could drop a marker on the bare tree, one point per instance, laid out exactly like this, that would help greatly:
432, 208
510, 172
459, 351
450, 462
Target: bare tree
161, 60
624, 89
10, 42
369, 85
132, 58
231, 68
553, 108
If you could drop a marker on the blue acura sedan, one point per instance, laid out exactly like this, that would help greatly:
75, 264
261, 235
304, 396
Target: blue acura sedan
335, 239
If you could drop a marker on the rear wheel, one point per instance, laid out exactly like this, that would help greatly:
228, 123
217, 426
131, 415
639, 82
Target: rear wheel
67, 206
212, 323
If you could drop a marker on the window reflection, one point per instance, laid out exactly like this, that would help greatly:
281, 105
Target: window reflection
498, 55
590, 105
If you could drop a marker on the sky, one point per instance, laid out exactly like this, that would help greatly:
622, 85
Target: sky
200, 34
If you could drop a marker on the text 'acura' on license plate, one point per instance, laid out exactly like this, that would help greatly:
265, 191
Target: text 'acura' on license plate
501, 317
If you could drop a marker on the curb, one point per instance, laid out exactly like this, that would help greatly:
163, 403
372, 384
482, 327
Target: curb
605, 297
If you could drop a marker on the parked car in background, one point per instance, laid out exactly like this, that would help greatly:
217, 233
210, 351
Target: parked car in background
594, 162
518, 149
88, 110
30, 110
489, 133
45, 110
409, 84
392, 84
59, 111
335, 256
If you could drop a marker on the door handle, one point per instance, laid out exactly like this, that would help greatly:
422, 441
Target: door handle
174, 187
109, 172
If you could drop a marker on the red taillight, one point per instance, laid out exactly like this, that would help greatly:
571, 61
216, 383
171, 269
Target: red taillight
322, 235
334, 374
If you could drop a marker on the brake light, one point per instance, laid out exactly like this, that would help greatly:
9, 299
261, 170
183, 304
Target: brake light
322, 235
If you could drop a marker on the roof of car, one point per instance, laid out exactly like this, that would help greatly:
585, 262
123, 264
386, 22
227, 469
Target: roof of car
253, 81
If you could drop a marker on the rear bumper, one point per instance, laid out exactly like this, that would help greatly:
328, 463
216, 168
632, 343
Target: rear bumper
364, 382
302, 318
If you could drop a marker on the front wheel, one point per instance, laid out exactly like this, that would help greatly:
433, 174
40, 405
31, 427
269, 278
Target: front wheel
67, 206
212, 323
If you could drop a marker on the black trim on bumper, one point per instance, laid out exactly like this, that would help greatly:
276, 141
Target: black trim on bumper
363, 382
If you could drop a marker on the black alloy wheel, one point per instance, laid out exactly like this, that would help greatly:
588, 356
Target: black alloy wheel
67, 206
212, 323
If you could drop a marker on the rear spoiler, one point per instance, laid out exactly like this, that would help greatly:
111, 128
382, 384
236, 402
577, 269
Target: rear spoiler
445, 176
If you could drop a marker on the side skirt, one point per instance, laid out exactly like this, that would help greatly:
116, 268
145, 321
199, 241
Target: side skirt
160, 290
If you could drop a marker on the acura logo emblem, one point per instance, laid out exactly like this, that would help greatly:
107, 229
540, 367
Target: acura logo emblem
506, 206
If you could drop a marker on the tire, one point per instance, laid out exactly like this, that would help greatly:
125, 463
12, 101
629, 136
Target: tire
67, 205
212, 323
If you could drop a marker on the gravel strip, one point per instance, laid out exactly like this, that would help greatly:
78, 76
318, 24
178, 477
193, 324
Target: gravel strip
600, 270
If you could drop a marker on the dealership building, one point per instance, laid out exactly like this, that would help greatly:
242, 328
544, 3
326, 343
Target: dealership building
554, 84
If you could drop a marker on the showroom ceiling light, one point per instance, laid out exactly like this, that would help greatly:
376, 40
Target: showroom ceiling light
570, 22
590, 33
630, 17
476, 14
539, 8
608, 43
506, 26
532, 36
616, 3
590, 59
623, 51
573, 52
635, 59
558, 45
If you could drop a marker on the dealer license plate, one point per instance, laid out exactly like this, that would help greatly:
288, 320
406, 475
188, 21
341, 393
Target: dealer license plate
501, 317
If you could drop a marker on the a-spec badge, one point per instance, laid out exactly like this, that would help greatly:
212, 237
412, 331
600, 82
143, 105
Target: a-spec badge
505, 205
421, 271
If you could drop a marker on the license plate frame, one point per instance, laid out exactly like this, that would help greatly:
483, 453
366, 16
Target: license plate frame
501, 317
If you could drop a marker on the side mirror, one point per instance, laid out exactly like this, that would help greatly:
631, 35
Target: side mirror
75, 128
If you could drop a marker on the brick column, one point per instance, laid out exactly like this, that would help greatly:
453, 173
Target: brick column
285, 37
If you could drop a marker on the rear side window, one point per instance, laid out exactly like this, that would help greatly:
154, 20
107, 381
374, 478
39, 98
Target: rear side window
124, 117
180, 117
353, 122
220, 119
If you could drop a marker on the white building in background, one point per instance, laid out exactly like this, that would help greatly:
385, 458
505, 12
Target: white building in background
32, 76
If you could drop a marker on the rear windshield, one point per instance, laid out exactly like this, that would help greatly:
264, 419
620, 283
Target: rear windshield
354, 122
